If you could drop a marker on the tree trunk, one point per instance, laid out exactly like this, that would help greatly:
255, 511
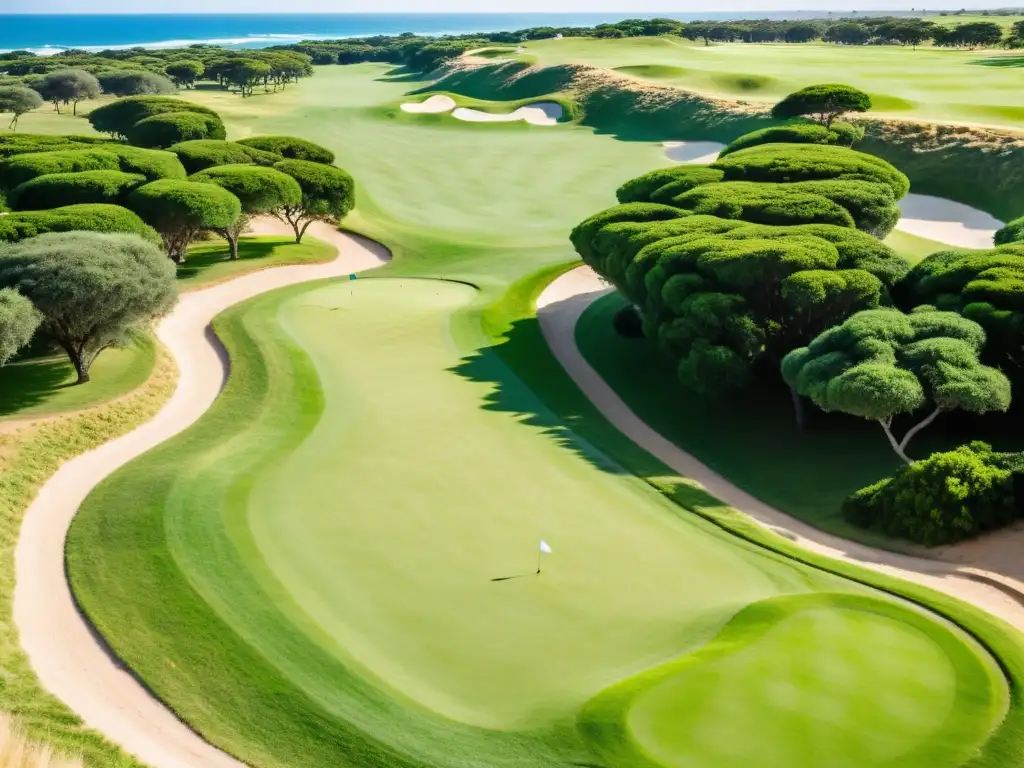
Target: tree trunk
892, 441
232, 238
799, 410
81, 367
74, 109
914, 430
299, 232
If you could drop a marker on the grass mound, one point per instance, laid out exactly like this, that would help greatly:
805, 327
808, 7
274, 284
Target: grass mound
652, 71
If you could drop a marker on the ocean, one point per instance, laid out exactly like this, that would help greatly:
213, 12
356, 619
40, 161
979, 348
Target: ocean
48, 34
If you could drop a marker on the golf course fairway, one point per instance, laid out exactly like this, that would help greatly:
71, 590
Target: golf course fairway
307, 583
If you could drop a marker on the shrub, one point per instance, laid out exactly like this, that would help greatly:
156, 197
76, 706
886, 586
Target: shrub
207, 153
823, 102
59, 189
674, 181
135, 82
179, 210
21, 168
25, 143
871, 205
169, 128
763, 204
328, 194
798, 133
628, 323
152, 163
91, 289
91, 217
1013, 232
945, 498
783, 163
18, 322
118, 117
290, 148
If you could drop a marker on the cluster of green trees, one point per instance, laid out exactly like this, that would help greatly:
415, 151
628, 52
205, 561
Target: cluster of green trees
770, 261
93, 219
72, 76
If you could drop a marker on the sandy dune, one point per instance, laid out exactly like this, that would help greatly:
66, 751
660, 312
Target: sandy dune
559, 309
694, 152
946, 221
432, 106
70, 661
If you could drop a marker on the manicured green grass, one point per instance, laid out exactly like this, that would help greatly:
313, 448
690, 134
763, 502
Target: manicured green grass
311, 584
930, 83
913, 247
41, 386
209, 262
268, 545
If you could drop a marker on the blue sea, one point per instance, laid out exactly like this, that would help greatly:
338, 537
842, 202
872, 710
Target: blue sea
47, 34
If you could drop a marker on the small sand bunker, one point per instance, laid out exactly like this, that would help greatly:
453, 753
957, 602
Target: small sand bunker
432, 106
947, 222
694, 152
541, 113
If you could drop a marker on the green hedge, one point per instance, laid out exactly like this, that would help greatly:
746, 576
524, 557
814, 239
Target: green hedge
21, 168
59, 189
778, 204
663, 184
843, 134
947, 497
24, 143
118, 117
783, 163
201, 154
290, 148
152, 163
168, 128
93, 218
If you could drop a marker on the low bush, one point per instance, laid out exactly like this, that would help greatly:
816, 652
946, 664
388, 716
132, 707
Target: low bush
21, 168
55, 190
168, 128
15, 227
797, 133
783, 163
1012, 232
872, 206
118, 117
24, 143
152, 163
778, 204
207, 153
947, 497
290, 148
666, 183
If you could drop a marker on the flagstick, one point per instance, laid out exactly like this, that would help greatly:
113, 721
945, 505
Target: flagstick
540, 553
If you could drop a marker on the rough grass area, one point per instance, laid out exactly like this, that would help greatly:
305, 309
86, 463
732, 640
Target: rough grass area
209, 262
27, 458
42, 386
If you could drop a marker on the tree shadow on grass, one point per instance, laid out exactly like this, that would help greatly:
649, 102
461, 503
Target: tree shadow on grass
251, 250
30, 382
1007, 62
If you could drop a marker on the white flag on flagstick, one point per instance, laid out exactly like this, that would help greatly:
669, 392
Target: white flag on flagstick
544, 547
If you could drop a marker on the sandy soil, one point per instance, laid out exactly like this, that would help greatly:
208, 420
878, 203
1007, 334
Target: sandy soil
432, 106
694, 152
71, 661
559, 309
540, 113
946, 221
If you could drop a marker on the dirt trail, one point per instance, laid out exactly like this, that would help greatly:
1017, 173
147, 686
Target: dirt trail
71, 661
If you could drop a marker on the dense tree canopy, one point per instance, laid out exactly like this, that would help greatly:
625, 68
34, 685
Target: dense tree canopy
68, 86
721, 295
119, 117
91, 289
16, 100
21, 168
328, 194
259, 191
180, 210
207, 153
290, 148
823, 103
71, 218
137, 82
185, 71
168, 128
54, 190
881, 363
18, 322
663, 184
23, 143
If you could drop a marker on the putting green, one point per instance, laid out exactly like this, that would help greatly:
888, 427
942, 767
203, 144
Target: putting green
338, 546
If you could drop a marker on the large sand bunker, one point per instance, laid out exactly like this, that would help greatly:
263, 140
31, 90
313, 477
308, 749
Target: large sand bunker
540, 113
694, 152
947, 221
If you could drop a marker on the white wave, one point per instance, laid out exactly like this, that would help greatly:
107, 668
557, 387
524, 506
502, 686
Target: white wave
268, 39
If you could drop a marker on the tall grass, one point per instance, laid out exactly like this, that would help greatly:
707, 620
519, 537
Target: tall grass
18, 751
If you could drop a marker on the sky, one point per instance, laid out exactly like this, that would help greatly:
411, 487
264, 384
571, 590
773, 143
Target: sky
649, 7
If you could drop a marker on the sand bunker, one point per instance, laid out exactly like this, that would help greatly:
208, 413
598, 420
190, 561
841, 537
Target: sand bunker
946, 221
695, 152
432, 106
541, 113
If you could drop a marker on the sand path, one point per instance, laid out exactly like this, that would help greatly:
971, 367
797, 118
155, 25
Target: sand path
559, 309
71, 661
